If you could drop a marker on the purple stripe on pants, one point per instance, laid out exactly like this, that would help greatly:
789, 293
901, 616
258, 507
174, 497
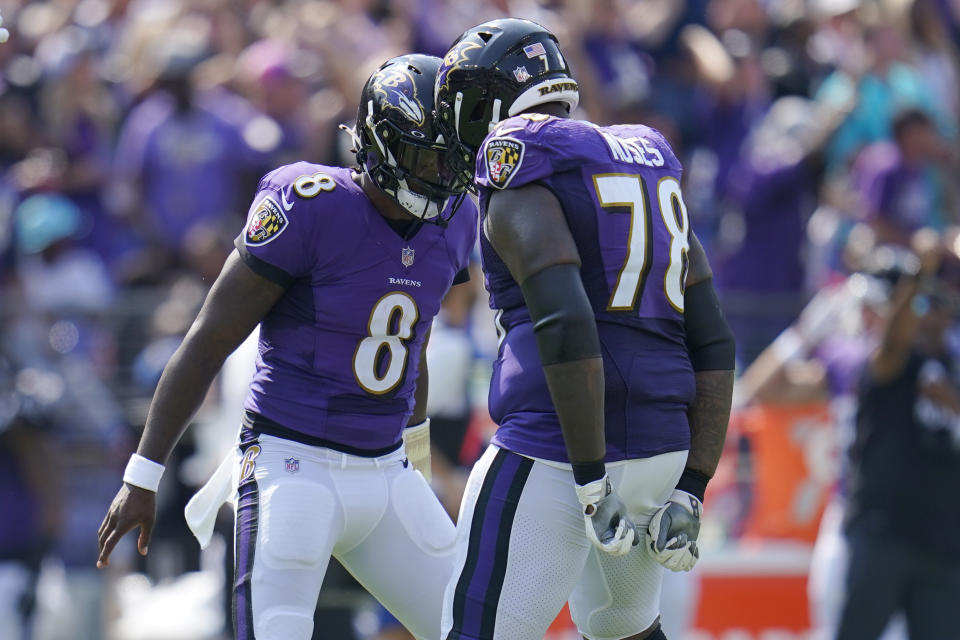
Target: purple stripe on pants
248, 516
489, 548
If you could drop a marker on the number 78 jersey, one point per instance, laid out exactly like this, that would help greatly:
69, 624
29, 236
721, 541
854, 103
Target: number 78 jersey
620, 191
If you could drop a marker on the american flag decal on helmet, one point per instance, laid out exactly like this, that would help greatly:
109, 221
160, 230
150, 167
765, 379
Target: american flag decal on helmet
534, 50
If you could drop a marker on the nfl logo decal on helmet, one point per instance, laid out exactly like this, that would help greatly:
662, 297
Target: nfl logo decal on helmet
406, 256
291, 465
267, 222
503, 157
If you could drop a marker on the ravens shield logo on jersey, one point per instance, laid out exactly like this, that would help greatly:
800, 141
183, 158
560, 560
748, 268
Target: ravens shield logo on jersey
503, 157
267, 222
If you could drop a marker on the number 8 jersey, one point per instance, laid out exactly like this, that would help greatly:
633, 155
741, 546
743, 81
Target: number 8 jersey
339, 352
619, 187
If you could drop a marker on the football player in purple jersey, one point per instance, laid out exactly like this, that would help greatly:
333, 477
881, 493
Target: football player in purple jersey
344, 271
613, 382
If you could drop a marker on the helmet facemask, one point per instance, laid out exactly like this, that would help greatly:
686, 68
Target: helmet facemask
410, 170
398, 145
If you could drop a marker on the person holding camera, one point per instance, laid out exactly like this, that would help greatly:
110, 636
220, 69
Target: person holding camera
903, 517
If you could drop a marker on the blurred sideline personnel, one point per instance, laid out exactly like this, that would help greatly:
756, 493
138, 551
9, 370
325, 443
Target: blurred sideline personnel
29, 501
26, 502
344, 271
614, 359
903, 518
819, 360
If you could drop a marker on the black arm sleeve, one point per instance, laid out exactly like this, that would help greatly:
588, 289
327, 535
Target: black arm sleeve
563, 319
710, 341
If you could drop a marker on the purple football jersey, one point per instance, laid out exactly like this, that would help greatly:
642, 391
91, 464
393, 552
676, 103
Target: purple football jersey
620, 191
339, 352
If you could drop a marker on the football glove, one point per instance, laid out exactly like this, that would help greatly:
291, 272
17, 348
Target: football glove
605, 516
4, 34
416, 442
672, 534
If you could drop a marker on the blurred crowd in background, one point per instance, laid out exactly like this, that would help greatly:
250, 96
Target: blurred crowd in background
133, 134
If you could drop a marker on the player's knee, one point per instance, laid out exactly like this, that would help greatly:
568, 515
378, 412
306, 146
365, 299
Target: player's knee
298, 519
285, 623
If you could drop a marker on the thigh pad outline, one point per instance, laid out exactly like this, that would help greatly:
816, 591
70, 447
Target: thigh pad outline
300, 520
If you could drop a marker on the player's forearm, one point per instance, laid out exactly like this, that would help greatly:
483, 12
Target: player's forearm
709, 415
182, 388
577, 390
569, 348
712, 350
422, 390
237, 301
420, 396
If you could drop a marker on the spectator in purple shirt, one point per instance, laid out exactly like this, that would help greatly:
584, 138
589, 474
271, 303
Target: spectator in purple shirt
898, 181
182, 162
768, 198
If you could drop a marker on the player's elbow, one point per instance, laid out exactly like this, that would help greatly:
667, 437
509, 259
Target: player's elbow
567, 335
563, 319
710, 341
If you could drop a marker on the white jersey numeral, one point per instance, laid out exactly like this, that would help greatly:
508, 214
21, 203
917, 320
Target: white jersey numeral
625, 190
310, 185
498, 325
390, 327
621, 190
674, 213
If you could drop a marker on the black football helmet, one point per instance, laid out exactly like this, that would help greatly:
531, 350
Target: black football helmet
494, 71
396, 142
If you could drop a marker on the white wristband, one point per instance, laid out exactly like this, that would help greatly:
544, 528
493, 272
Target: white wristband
143, 472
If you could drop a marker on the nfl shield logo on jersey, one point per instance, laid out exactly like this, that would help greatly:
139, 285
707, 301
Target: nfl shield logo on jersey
406, 256
503, 157
292, 465
521, 74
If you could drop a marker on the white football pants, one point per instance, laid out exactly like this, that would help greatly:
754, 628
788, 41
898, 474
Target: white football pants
522, 551
299, 504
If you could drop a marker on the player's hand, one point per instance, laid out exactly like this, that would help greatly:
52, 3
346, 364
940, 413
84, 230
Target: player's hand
672, 534
4, 34
132, 507
605, 515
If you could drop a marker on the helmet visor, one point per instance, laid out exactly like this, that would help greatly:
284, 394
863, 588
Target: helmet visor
426, 164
